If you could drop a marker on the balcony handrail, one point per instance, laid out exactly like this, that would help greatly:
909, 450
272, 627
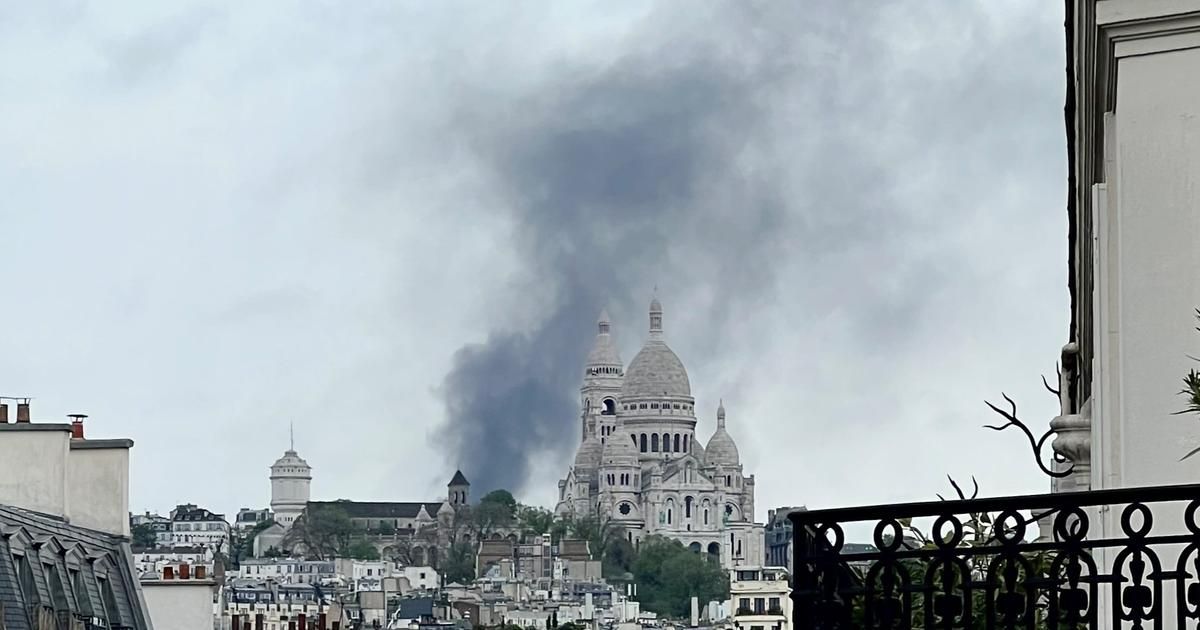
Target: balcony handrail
1089, 498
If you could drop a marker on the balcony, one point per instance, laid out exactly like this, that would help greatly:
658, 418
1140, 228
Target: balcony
980, 562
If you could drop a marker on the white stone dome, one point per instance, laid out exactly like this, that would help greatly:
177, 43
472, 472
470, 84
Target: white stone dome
721, 449
604, 352
656, 371
291, 464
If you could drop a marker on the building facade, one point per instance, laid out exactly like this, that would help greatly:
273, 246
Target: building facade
640, 463
248, 519
192, 525
778, 537
65, 556
759, 598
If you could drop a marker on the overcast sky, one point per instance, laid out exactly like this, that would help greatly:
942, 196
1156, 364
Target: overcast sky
394, 223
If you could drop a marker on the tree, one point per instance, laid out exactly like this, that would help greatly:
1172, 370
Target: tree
322, 530
460, 563
386, 529
534, 521
600, 532
362, 550
501, 497
143, 536
668, 575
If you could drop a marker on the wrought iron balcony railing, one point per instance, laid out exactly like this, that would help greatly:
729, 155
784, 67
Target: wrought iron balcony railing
982, 565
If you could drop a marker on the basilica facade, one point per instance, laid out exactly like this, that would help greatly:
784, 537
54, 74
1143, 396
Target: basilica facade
640, 463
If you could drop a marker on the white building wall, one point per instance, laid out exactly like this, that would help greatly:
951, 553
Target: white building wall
1150, 289
98, 484
34, 460
180, 604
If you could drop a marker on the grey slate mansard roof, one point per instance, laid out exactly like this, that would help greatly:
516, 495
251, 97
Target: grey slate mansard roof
371, 509
48, 565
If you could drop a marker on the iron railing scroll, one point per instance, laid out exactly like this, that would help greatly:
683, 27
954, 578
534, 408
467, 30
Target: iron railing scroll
982, 563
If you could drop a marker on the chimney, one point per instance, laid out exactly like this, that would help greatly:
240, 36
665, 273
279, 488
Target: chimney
76, 425
168, 573
201, 572
23, 412
3, 413
185, 571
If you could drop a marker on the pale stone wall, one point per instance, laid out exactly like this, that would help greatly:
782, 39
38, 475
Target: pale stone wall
98, 484
180, 604
34, 460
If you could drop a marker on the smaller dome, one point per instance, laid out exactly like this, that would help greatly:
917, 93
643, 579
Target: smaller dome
589, 453
604, 352
617, 450
290, 459
721, 449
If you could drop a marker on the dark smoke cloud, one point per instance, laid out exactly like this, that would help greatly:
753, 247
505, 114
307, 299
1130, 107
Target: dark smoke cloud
619, 177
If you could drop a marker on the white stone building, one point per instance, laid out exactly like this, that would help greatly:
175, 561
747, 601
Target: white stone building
195, 526
640, 462
759, 598
291, 483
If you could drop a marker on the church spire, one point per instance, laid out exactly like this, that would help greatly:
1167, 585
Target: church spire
721, 414
603, 323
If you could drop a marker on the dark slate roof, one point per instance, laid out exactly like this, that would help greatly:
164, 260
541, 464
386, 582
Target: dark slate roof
458, 479
192, 513
414, 607
373, 509
39, 552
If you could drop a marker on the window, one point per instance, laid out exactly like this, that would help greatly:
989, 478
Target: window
773, 604
654, 405
687, 507
58, 595
642, 406
676, 405
644, 443
654, 443
81, 595
25, 581
759, 606
706, 516
685, 443
109, 600
744, 604
666, 442
677, 443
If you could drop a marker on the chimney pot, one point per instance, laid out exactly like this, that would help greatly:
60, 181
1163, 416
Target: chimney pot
201, 572
168, 573
3, 413
23, 412
77, 425
185, 572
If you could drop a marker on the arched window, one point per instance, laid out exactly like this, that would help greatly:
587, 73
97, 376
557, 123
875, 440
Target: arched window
653, 442
687, 507
668, 516
685, 443
666, 442
634, 438
644, 443
706, 516
677, 443
610, 407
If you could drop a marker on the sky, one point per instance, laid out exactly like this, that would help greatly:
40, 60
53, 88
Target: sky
392, 225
